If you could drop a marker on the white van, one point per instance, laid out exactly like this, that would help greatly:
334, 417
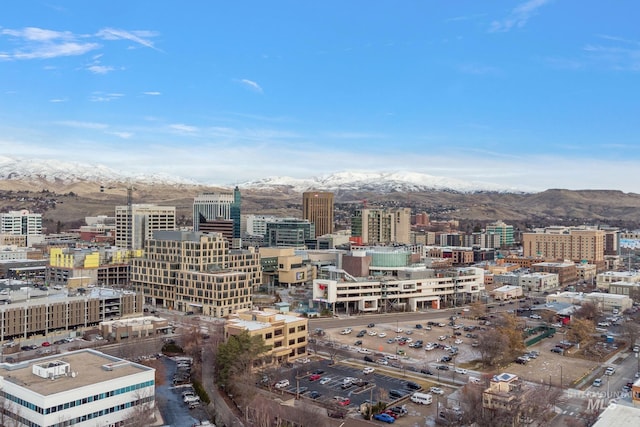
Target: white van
421, 398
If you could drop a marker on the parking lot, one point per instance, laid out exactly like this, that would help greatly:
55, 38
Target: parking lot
396, 339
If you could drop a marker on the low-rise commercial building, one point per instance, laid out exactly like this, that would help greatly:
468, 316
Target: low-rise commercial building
84, 388
46, 315
605, 279
507, 292
285, 334
604, 302
409, 288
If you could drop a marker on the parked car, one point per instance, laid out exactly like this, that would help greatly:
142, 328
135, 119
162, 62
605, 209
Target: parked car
368, 370
436, 390
557, 350
413, 386
426, 371
282, 384
384, 417
371, 325
342, 401
46, 344
597, 382
325, 380
442, 367
357, 343
368, 359
313, 394
314, 377
396, 394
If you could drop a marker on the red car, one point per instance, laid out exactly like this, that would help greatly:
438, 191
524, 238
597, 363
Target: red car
314, 377
343, 401
46, 344
391, 413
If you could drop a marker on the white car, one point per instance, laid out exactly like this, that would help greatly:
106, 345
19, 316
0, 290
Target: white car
442, 337
364, 351
368, 370
465, 309
429, 347
458, 341
372, 333
325, 380
346, 331
461, 371
391, 357
399, 330
408, 340
436, 390
535, 316
382, 334
382, 362
282, 384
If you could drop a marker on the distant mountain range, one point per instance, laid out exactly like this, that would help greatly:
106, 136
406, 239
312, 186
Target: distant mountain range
67, 192
50, 171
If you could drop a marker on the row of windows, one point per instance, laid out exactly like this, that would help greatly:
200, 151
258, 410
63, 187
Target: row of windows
75, 403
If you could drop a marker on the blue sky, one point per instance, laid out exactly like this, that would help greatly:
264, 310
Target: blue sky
532, 94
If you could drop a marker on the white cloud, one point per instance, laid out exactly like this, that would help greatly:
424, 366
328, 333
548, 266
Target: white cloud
251, 85
183, 128
152, 93
100, 69
104, 97
82, 125
123, 135
518, 17
140, 37
58, 100
41, 43
38, 34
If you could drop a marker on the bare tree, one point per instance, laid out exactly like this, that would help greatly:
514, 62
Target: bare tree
141, 413
491, 345
581, 331
631, 332
587, 310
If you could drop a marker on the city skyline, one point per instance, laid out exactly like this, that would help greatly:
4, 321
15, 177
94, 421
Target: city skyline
532, 94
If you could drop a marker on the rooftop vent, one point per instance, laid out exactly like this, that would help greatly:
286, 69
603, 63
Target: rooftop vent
51, 369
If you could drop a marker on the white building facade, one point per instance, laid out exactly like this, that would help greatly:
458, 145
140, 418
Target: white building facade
84, 388
465, 284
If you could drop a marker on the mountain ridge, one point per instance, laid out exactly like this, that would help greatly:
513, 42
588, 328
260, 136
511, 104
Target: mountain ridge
67, 198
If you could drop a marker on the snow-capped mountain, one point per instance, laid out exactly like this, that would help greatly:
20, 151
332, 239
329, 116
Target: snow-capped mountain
385, 182
70, 172
63, 172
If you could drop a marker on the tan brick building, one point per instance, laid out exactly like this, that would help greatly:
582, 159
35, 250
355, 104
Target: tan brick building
196, 272
285, 334
560, 243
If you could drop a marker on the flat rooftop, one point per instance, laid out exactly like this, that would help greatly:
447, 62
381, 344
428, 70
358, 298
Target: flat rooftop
86, 364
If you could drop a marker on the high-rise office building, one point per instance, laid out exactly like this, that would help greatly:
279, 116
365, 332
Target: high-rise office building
210, 206
373, 226
503, 230
218, 206
317, 207
21, 223
132, 232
